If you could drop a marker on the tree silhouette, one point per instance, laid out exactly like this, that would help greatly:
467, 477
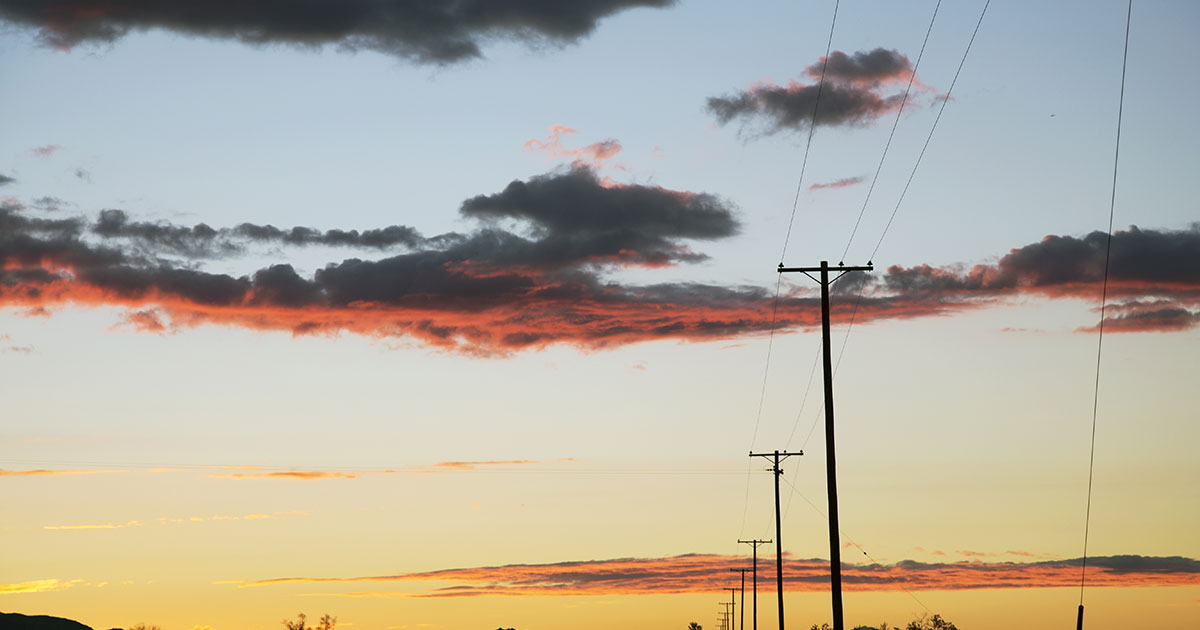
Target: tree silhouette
326, 623
694, 626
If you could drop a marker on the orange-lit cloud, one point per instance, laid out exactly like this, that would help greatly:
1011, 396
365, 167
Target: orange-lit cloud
845, 182
494, 292
595, 155
699, 573
311, 475
303, 475
478, 465
42, 472
36, 586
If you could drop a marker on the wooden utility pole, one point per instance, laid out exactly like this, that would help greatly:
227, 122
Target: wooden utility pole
754, 569
778, 457
835, 551
743, 572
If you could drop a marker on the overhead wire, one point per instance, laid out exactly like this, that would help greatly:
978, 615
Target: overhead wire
851, 541
786, 239
892, 134
891, 218
1112, 204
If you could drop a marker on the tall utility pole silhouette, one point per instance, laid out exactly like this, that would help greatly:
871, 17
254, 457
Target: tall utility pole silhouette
726, 615
754, 544
776, 455
835, 552
743, 572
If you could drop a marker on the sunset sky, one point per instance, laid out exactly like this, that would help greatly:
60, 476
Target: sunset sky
467, 317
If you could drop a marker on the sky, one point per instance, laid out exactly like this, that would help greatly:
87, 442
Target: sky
467, 316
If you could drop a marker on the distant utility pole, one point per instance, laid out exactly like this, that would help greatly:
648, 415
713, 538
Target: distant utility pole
743, 572
733, 604
776, 455
835, 552
754, 568
726, 614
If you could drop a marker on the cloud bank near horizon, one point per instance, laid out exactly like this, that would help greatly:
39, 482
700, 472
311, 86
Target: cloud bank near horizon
537, 271
423, 32
703, 573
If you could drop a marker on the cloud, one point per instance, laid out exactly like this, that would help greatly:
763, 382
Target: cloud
303, 475
6, 180
442, 466
36, 586
701, 573
851, 95
257, 516
595, 155
46, 473
425, 32
865, 68
94, 526
537, 269
254, 472
202, 241
46, 150
845, 182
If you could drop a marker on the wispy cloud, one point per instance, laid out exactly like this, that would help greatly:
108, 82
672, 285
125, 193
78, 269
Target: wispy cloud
595, 155
700, 573
95, 526
36, 586
254, 472
438, 33
45, 151
39, 472
845, 182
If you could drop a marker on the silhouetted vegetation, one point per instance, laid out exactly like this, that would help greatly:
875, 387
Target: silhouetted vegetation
924, 622
694, 626
326, 623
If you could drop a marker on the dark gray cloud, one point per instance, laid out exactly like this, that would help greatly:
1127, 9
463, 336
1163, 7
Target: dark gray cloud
1060, 264
5, 179
863, 67
574, 217
426, 31
852, 94
202, 241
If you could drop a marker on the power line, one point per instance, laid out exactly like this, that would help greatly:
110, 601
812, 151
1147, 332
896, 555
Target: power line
812, 126
892, 133
1112, 204
931, 130
796, 491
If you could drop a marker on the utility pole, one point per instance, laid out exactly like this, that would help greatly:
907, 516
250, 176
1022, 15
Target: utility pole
733, 604
743, 572
754, 544
835, 552
776, 455
726, 614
